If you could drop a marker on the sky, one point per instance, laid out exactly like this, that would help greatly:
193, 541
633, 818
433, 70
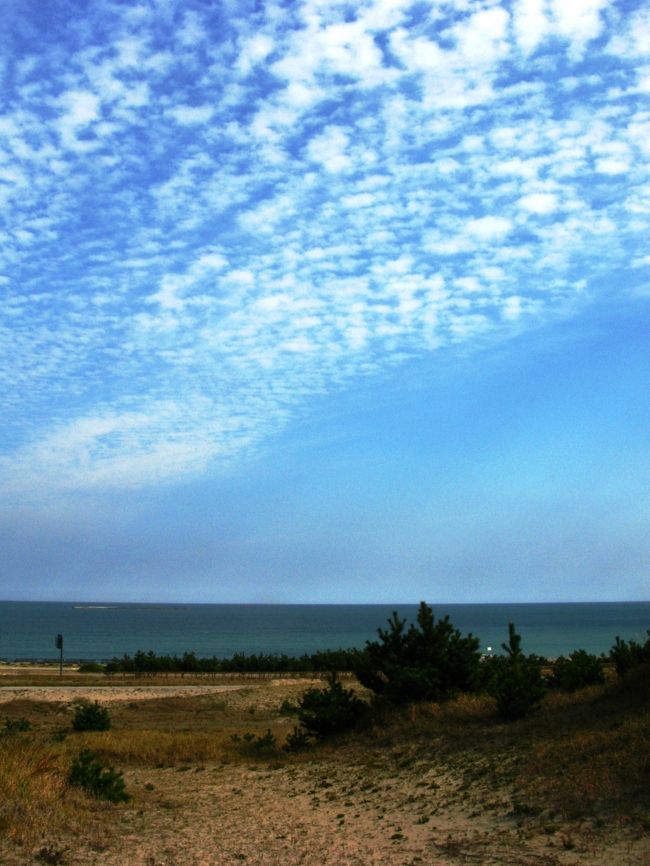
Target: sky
324, 302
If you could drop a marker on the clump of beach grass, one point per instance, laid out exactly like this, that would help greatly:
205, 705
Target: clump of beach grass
33, 782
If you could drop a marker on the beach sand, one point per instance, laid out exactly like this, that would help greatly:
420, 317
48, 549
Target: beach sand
387, 804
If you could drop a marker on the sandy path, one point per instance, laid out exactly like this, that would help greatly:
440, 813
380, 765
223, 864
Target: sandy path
106, 694
320, 814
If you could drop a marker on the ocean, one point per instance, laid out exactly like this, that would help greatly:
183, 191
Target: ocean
104, 630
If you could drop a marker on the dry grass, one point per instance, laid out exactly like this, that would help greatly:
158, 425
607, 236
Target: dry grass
152, 748
32, 789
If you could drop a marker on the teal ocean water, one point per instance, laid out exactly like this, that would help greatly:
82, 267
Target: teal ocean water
102, 631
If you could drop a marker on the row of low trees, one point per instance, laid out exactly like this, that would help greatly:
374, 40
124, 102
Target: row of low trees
149, 662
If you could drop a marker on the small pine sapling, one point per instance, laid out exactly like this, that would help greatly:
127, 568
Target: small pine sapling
517, 683
91, 717
104, 783
323, 712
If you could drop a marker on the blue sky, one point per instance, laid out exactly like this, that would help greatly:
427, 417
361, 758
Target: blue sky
325, 302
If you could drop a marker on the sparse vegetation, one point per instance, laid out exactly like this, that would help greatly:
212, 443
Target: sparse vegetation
582, 755
297, 741
15, 726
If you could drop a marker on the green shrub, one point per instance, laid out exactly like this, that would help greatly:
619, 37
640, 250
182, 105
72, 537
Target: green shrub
91, 717
580, 669
265, 742
323, 712
288, 708
628, 654
428, 662
104, 783
92, 668
250, 743
515, 681
297, 740
15, 726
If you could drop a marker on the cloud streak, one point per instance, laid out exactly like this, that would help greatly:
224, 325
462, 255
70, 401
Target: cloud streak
214, 214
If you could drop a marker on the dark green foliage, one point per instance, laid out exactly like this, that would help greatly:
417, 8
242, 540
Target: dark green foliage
92, 668
428, 662
51, 855
515, 680
580, 669
297, 740
288, 708
150, 663
250, 743
104, 783
265, 742
628, 654
15, 726
91, 717
323, 712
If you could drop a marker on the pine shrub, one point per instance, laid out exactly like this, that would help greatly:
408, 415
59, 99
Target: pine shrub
91, 716
104, 783
579, 670
15, 726
628, 654
516, 681
430, 661
297, 740
323, 712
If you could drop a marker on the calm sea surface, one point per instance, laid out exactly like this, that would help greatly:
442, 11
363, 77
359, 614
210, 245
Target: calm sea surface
28, 629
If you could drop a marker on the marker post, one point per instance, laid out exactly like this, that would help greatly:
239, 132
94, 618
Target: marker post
59, 646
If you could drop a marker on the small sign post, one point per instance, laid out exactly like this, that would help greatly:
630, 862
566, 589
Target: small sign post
59, 646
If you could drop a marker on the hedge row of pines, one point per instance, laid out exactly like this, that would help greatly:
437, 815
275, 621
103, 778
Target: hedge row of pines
321, 661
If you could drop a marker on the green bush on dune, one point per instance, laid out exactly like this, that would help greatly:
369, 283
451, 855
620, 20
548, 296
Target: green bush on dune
515, 680
579, 670
91, 716
104, 783
333, 710
430, 661
628, 654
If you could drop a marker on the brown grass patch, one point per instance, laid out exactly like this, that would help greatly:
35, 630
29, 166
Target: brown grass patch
32, 787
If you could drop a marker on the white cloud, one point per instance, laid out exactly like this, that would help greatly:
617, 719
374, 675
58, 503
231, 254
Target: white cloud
188, 115
579, 21
539, 202
633, 40
531, 23
612, 165
255, 50
329, 149
488, 228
